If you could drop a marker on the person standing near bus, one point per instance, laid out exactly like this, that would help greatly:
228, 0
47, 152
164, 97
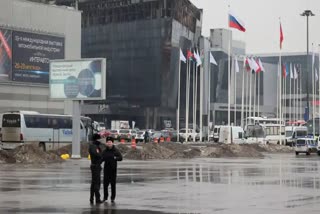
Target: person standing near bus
111, 155
96, 160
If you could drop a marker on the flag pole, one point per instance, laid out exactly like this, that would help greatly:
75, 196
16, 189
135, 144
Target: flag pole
259, 93
178, 108
285, 100
209, 97
201, 101
290, 95
187, 100
235, 94
313, 86
301, 108
229, 89
280, 100
193, 101
247, 97
196, 100
254, 94
319, 88
242, 99
250, 93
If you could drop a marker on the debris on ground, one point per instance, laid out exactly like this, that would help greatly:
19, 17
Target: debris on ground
28, 153
181, 151
151, 151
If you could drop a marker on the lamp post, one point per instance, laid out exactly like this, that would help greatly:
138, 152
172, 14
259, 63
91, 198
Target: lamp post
307, 13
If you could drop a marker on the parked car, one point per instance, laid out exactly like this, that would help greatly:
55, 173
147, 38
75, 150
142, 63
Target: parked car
115, 135
127, 134
216, 133
191, 134
104, 133
140, 136
306, 145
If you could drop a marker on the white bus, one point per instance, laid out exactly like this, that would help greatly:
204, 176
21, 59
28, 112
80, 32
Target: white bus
49, 131
274, 128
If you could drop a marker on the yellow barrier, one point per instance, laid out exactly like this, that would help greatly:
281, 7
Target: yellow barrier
65, 156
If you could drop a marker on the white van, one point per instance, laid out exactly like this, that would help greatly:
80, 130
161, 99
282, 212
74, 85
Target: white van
216, 133
295, 132
237, 134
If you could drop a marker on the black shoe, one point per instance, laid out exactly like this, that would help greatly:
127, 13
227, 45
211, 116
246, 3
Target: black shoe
112, 201
91, 201
99, 202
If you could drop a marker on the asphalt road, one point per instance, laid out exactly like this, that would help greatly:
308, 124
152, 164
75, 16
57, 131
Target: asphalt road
281, 183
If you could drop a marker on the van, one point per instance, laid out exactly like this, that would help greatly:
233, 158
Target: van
216, 134
237, 134
293, 133
306, 145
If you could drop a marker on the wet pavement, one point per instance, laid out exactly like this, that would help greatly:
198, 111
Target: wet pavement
281, 183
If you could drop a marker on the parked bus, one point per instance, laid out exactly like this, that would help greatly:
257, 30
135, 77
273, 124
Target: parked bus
274, 128
49, 131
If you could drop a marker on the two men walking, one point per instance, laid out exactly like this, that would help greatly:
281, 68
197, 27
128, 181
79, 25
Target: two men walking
110, 156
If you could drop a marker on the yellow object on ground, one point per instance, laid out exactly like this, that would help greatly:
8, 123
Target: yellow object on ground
89, 158
65, 156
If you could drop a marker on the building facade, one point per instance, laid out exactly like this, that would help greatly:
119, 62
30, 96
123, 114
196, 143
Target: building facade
31, 35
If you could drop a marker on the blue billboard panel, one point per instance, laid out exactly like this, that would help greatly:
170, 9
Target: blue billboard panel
32, 54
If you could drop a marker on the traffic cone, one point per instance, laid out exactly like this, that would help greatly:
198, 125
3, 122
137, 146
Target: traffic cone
133, 144
161, 139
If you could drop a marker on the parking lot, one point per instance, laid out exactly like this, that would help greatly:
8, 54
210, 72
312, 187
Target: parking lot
281, 183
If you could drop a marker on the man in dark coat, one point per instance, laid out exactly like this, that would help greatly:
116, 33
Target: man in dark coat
96, 160
111, 156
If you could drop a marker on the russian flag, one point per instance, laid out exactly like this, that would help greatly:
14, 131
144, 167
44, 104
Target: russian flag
235, 22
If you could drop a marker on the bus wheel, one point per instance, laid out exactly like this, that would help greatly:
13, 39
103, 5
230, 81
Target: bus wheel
42, 146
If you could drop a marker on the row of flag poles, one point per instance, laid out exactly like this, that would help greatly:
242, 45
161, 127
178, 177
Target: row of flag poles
253, 66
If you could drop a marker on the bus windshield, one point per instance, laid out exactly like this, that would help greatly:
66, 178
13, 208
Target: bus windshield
11, 120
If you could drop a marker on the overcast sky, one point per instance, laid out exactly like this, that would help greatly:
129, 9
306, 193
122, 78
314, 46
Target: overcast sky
261, 18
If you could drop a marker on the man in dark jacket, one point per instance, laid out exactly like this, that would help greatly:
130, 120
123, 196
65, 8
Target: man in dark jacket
111, 156
96, 160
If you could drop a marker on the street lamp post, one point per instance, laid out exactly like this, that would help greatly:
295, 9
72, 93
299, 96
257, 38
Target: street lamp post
307, 13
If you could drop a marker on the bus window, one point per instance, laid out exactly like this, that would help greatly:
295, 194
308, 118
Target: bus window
11, 120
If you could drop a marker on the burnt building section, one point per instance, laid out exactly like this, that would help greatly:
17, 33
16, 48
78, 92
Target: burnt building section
141, 41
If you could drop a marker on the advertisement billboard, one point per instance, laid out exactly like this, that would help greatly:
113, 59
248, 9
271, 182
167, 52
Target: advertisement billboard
5, 54
83, 79
31, 55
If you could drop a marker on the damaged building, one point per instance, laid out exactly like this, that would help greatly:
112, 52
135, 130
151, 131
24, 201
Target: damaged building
140, 40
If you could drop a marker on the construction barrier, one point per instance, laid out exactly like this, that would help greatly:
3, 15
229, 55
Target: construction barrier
155, 140
122, 141
168, 139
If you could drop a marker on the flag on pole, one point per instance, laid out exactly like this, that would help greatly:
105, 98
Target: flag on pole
235, 22
295, 72
261, 66
236, 68
284, 71
291, 72
182, 57
190, 56
287, 69
198, 59
254, 65
281, 36
212, 60
248, 64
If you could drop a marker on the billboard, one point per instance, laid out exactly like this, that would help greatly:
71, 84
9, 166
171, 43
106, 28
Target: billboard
83, 79
31, 55
5, 54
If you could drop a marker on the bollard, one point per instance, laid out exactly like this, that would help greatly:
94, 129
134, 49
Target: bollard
89, 157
